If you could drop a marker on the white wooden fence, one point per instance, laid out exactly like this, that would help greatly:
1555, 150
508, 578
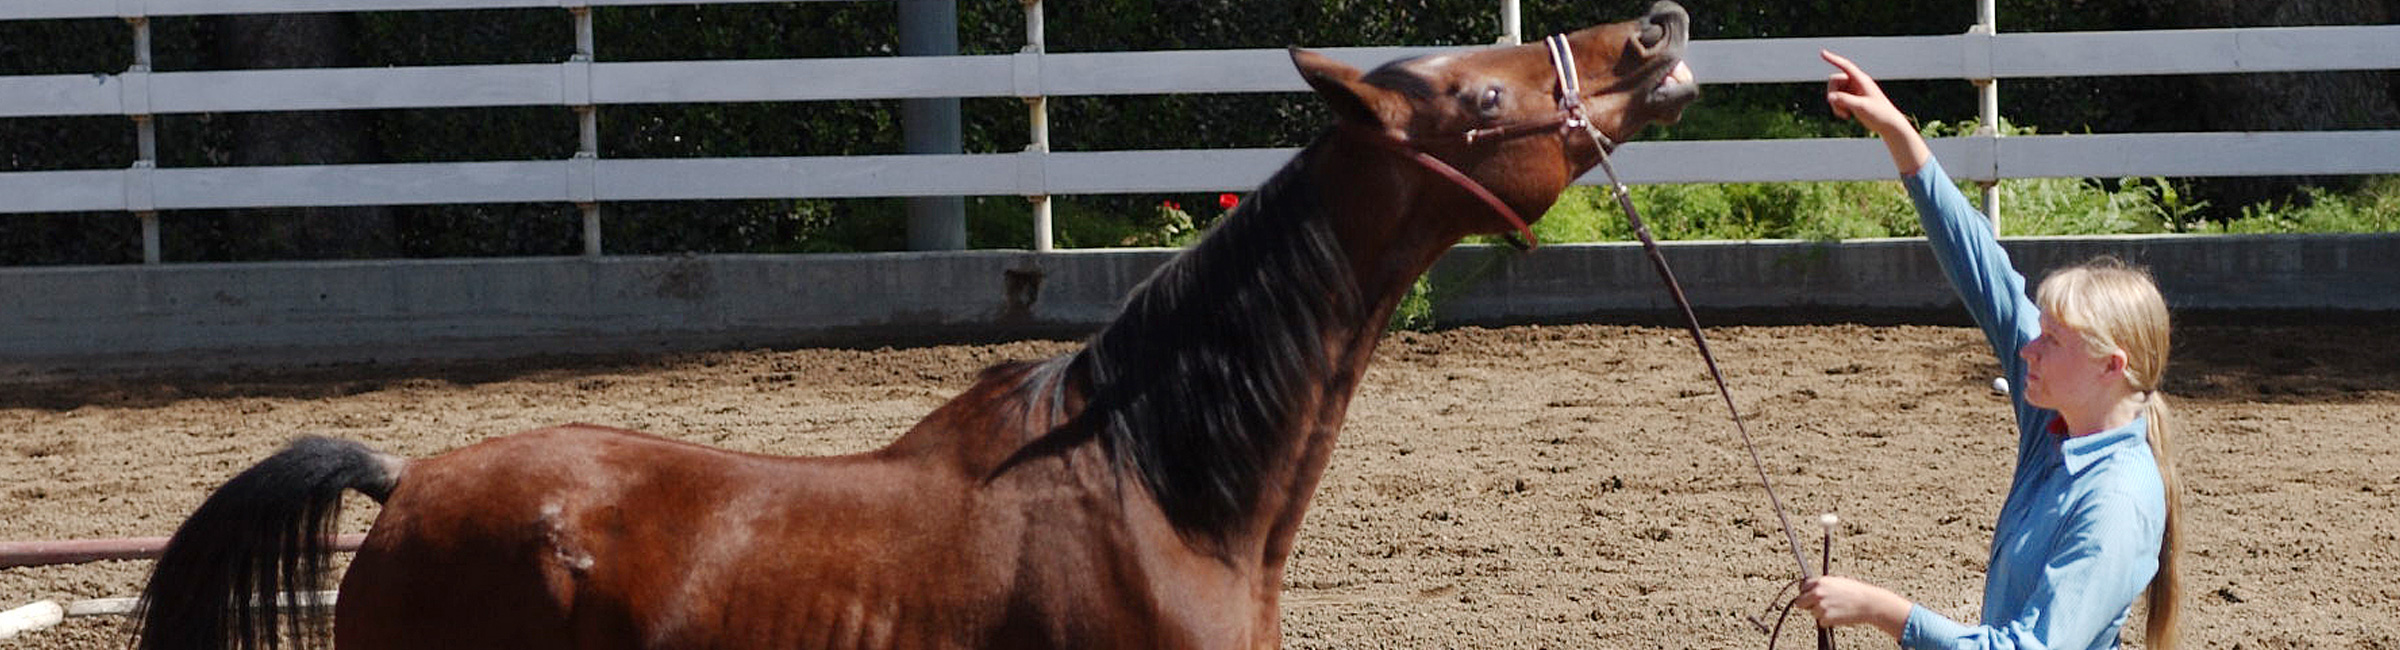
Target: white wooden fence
589, 179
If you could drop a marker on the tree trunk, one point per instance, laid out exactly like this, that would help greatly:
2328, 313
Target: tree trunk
303, 137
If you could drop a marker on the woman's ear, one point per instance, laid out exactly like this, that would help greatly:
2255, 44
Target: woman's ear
1352, 100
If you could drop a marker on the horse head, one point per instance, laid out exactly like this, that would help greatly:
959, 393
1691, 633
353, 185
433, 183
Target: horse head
1521, 122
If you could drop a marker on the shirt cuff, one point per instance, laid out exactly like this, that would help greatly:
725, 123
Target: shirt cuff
1926, 630
1921, 184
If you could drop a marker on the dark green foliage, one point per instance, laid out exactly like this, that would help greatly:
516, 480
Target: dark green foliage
92, 46
70, 238
56, 143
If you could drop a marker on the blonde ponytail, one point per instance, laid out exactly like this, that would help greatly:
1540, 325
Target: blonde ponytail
2166, 587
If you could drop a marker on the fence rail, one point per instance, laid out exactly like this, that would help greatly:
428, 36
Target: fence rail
579, 83
589, 177
586, 180
56, 9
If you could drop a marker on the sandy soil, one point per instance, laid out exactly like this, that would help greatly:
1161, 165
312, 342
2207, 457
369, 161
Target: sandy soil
1560, 487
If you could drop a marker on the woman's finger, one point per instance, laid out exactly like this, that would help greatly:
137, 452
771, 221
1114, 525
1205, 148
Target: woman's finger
1853, 79
1838, 61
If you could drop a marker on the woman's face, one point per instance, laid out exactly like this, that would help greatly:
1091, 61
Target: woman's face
2060, 368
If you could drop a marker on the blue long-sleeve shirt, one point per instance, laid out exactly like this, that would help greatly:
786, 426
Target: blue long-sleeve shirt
2078, 538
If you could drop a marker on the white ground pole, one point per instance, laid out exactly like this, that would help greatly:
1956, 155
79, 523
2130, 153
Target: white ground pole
39, 615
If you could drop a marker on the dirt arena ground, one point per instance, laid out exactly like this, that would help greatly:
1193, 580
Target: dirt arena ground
1526, 487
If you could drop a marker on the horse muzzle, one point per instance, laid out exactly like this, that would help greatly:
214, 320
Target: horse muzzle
1666, 31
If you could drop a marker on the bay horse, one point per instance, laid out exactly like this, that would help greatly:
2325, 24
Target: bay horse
1143, 491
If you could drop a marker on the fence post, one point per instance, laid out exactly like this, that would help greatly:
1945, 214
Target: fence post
587, 122
930, 126
146, 141
1987, 100
1512, 24
1038, 123
1037, 117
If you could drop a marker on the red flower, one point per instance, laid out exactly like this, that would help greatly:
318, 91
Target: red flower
1228, 200
1171, 205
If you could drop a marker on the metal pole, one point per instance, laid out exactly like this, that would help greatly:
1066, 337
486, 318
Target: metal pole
931, 126
1987, 100
583, 32
1035, 40
1512, 27
587, 122
146, 140
150, 245
1037, 114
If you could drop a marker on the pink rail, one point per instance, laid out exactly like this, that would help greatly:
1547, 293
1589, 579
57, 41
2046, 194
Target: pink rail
77, 551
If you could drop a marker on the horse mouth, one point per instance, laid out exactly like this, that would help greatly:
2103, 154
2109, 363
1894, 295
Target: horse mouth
1664, 35
1675, 90
1678, 85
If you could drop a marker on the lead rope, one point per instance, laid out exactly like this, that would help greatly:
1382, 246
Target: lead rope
1691, 321
1562, 59
1570, 119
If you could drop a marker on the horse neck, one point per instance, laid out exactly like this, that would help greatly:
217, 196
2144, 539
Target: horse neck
1388, 245
1225, 380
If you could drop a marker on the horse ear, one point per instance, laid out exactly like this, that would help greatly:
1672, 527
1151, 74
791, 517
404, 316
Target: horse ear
1338, 83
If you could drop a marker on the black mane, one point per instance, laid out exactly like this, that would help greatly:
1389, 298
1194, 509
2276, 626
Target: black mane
1197, 383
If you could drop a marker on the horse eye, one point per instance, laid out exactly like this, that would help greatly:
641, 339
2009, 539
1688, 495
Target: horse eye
1491, 100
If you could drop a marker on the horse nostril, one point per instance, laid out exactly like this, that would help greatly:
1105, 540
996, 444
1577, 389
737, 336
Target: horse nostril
1664, 18
1660, 10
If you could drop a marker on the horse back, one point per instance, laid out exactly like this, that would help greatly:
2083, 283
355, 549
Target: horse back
589, 537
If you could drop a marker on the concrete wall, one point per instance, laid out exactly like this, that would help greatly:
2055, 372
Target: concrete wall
205, 315
1899, 277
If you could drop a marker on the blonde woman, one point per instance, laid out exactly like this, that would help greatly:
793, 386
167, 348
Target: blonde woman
2089, 523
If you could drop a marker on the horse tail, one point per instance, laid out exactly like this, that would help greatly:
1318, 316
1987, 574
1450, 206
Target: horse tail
268, 530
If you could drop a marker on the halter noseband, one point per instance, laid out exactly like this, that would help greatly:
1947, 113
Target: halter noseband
1569, 119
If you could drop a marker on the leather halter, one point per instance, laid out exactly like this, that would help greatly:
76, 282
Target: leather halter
1566, 122
1570, 117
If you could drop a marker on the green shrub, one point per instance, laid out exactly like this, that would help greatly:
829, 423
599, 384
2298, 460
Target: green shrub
1833, 211
1415, 312
2374, 208
1814, 211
